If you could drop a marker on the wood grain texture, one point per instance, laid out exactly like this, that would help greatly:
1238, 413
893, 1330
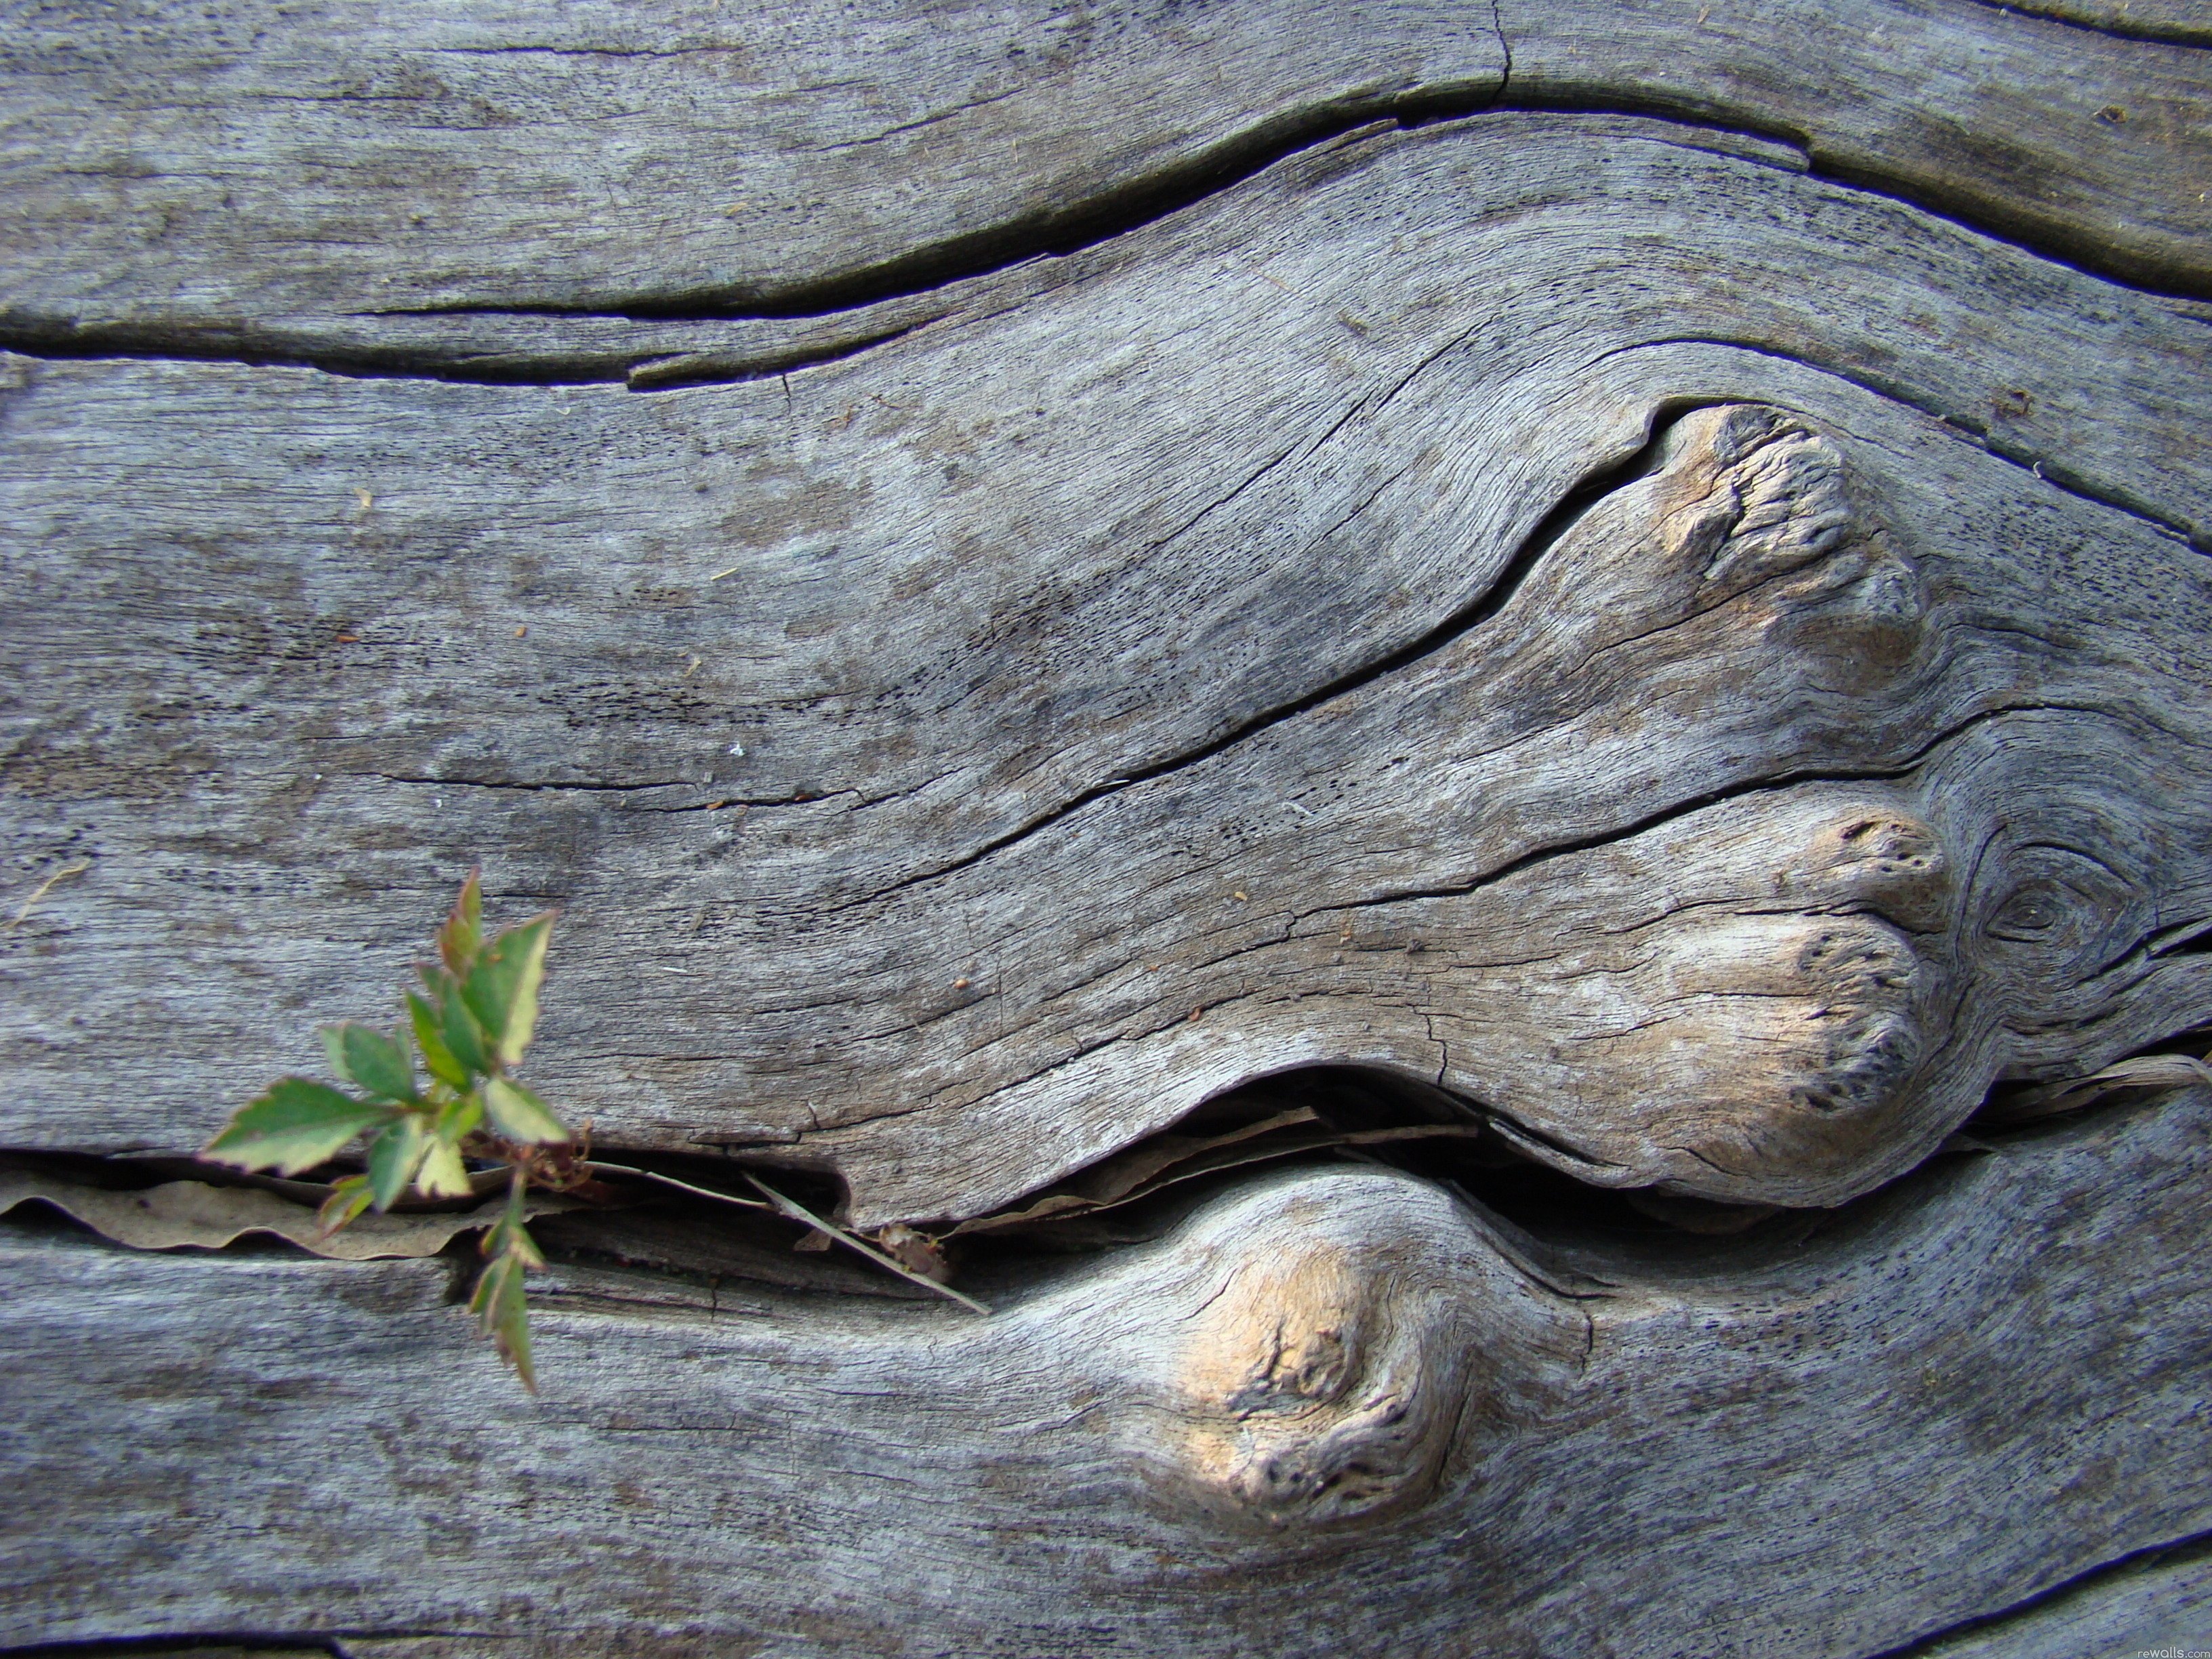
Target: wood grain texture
1832, 1435
1965, 113
1014, 570
1176, 669
302, 184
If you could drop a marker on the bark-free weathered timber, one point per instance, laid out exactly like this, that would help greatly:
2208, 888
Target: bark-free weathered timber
1639, 568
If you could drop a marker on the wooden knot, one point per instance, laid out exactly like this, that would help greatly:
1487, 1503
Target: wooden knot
1340, 1324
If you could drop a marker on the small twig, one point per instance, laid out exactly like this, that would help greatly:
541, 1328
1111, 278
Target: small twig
680, 1186
800, 1212
46, 886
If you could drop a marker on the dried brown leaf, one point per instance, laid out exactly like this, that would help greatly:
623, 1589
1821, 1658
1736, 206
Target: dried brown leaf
192, 1213
2142, 1072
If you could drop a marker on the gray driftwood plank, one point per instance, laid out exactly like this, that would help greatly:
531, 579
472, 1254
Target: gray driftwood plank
960, 760
1012, 570
1831, 1440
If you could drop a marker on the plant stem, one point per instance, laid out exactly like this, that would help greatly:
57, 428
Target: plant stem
800, 1212
680, 1186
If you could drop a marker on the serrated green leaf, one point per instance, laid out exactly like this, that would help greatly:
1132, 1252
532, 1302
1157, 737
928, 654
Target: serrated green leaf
443, 1175
518, 1242
295, 1125
494, 1241
437, 1058
347, 1198
393, 1158
522, 1247
369, 1058
501, 987
462, 936
507, 1235
502, 1313
519, 1115
464, 1038
459, 1119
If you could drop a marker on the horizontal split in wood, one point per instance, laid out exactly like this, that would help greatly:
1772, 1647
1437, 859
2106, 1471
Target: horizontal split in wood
1129, 205
2160, 22
661, 360
2025, 1631
188, 1645
386, 344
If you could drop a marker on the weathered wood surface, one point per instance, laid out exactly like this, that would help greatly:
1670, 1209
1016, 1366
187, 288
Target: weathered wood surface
1828, 1440
2159, 1603
1665, 623
305, 182
1046, 636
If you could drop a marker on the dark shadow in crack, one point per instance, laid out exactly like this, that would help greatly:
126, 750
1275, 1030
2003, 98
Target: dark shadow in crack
1308, 1117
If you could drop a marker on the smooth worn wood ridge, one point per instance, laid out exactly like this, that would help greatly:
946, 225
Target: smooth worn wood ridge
1015, 570
1832, 1439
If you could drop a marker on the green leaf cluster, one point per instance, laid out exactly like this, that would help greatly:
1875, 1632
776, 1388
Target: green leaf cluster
469, 1024
499, 1306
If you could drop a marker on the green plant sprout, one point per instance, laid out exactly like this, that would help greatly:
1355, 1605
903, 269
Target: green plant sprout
470, 1025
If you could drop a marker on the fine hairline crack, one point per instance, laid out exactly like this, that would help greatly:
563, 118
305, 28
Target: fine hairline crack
557, 787
1768, 784
1607, 476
